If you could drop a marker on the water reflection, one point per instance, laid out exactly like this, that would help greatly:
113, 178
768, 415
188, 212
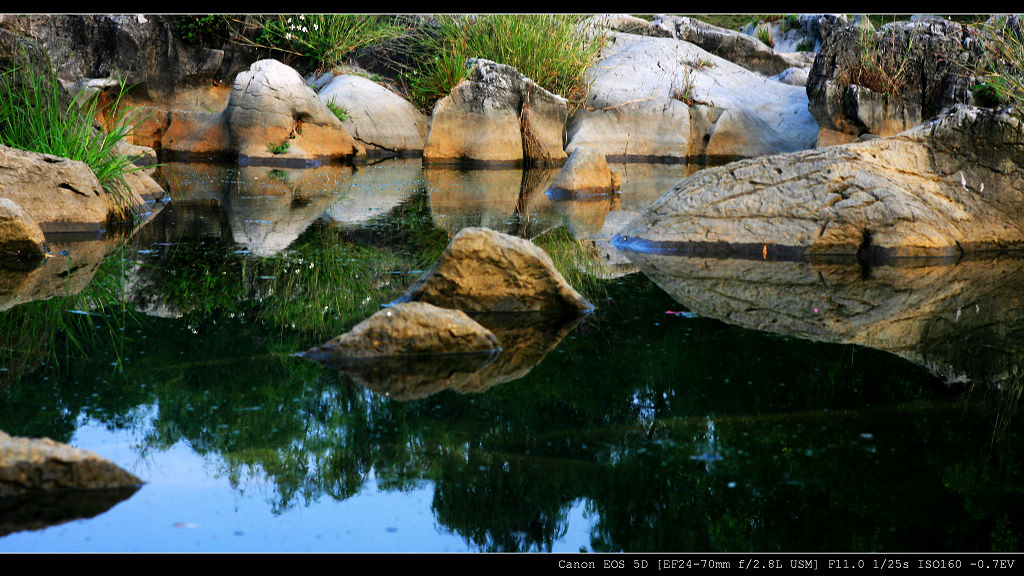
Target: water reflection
963, 321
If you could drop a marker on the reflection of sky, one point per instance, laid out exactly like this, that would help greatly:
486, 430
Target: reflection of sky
184, 507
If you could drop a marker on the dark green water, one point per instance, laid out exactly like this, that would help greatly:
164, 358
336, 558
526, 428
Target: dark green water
782, 415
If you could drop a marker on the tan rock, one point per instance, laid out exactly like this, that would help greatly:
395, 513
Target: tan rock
409, 328
39, 465
270, 104
945, 187
20, 236
486, 271
585, 172
61, 195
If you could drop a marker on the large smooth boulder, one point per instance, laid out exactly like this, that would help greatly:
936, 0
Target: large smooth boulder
384, 122
497, 116
948, 186
663, 99
410, 328
30, 465
887, 80
20, 236
270, 105
486, 271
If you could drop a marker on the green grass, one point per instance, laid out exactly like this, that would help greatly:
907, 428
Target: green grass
36, 116
339, 111
323, 40
278, 148
1002, 73
550, 49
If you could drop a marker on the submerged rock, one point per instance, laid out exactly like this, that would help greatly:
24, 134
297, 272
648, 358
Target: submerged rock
949, 186
486, 271
29, 465
411, 328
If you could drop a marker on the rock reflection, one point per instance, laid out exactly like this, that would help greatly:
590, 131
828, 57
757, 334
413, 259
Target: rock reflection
963, 321
41, 511
526, 338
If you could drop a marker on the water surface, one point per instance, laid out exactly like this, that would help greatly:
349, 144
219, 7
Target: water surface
707, 405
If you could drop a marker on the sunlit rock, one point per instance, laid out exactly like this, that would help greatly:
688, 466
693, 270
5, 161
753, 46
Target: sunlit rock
384, 122
410, 328
486, 271
20, 236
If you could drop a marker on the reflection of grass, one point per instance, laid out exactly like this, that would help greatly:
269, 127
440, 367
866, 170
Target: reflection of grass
576, 261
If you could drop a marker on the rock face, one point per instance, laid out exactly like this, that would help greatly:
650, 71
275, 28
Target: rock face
890, 79
270, 104
409, 328
948, 186
383, 122
37, 465
145, 50
662, 99
487, 271
586, 172
497, 116
20, 236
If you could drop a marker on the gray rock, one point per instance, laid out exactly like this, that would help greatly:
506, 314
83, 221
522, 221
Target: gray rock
486, 271
384, 122
945, 187
890, 79
29, 465
661, 99
736, 47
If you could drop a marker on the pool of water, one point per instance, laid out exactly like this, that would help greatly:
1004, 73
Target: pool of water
707, 404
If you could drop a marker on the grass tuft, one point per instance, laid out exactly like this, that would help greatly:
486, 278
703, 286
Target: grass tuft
37, 116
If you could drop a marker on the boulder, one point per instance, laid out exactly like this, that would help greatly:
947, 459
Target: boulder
410, 328
486, 271
61, 195
947, 186
197, 136
271, 105
662, 99
29, 465
890, 79
586, 172
385, 123
20, 237
736, 47
497, 116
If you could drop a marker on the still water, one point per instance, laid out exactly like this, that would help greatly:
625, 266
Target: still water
707, 405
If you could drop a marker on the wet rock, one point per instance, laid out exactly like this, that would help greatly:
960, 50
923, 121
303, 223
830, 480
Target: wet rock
30, 465
20, 237
410, 328
497, 116
887, 80
945, 187
486, 271
384, 122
